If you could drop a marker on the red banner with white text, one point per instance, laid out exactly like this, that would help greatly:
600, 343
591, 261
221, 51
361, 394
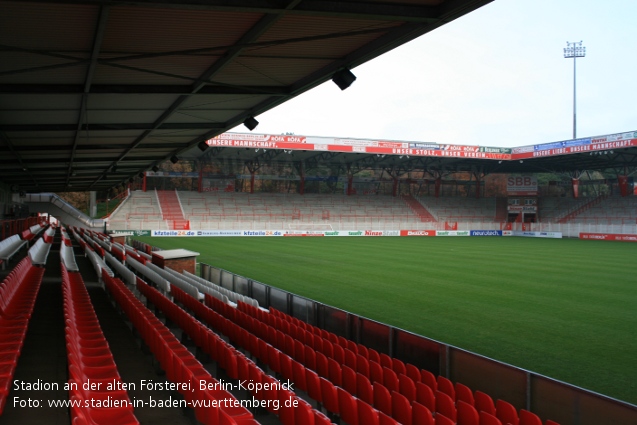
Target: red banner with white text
608, 237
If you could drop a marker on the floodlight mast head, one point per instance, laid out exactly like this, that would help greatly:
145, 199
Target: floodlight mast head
574, 50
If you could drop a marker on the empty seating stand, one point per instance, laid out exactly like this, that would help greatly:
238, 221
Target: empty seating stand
18, 293
179, 364
90, 361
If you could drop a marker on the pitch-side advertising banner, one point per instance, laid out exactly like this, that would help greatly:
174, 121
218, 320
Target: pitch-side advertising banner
555, 235
417, 233
485, 232
608, 237
452, 233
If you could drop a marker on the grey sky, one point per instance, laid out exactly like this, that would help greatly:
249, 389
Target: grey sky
496, 77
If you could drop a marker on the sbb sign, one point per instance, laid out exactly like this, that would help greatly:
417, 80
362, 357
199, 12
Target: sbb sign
522, 185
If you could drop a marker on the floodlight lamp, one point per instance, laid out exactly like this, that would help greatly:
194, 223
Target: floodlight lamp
251, 123
343, 78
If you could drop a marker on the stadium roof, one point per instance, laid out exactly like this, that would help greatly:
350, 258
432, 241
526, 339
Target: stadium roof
93, 92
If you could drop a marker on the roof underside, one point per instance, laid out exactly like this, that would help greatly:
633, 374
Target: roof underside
94, 92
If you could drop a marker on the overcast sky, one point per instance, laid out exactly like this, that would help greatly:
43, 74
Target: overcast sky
495, 77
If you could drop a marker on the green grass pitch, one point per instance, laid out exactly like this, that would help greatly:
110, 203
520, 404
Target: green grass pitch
563, 308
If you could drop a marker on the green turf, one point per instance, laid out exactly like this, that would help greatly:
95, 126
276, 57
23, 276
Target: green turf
563, 308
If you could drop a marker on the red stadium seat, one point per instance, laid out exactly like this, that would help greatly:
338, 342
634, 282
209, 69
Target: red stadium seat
401, 408
467, 414
506, 412
528, 418
484, 403
429, 379
464, 393
382, 398
348, 378
364, 389
425, 396
329, 395
348, 407
443, 420
420, 415
367, 415
313, 385
446, 386
445, 405
335, 372
407, 387
390, 379
488, 419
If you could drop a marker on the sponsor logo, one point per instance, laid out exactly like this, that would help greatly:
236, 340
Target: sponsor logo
261, 233
373, 233
431, 146
417, 233
486, 233
523, 149
331, 233
359, 233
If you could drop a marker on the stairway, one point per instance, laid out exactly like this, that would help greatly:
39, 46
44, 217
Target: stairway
418, 209
572, 214
171, 210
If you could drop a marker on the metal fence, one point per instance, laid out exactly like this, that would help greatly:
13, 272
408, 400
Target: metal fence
548, 398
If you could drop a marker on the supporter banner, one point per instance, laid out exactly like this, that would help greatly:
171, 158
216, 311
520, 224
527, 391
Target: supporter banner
171, 174
452, 233
592, 145
417, 233
310, 143
555, 235
485, 233
609, 237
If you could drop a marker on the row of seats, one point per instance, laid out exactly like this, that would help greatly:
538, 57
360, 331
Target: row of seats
180, 365
39, 252
456, 401
330, 385
149, 274
18, 292
232, 296
49, 234
32, 232
236, 365
10, 247
90, 361
122, 271
67, 255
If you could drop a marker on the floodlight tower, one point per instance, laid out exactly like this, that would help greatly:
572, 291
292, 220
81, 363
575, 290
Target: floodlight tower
574, 50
